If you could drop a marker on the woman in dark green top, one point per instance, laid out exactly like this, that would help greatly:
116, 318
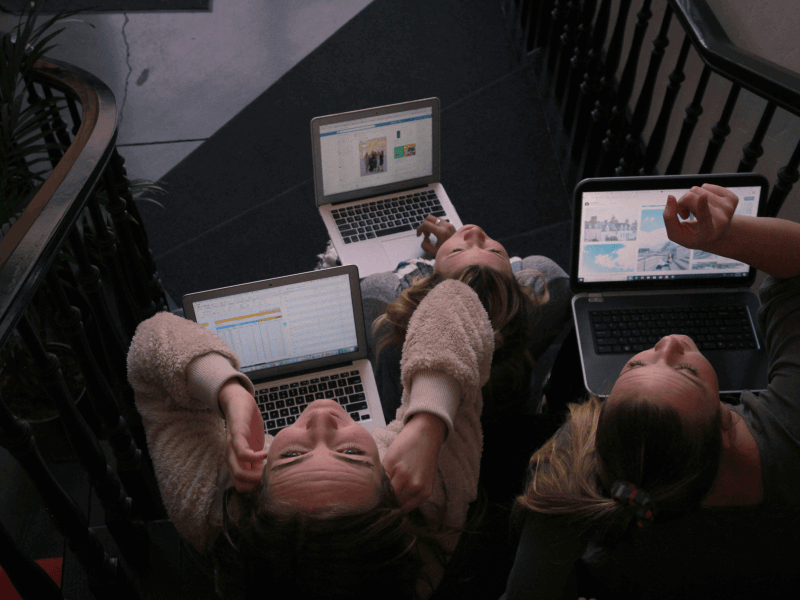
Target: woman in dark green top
664, 490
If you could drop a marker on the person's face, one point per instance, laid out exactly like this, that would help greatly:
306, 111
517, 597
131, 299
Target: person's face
470, 246
673, 372
324, 458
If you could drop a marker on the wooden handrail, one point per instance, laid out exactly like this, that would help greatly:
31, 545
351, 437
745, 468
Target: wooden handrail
32, 243
758, 75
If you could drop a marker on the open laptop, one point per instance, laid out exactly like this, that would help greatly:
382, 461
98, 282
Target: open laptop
633, 285
299, 338
376, 178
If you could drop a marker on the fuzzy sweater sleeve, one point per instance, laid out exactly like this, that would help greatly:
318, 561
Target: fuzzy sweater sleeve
176, 368
449, 343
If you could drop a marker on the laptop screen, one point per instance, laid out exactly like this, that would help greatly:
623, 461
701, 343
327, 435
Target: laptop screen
376, 150
286, 325
622, 238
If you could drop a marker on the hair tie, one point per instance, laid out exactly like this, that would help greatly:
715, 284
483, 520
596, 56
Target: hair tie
628, 493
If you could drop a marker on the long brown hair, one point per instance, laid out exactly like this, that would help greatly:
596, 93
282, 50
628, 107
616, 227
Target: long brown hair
330, 555
511, 308
634, 440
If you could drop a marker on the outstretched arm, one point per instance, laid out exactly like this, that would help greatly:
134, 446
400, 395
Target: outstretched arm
769, 244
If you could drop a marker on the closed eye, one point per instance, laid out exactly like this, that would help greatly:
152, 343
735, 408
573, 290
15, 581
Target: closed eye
637, 363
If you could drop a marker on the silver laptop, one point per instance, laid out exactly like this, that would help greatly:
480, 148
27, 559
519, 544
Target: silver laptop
299, 338
633, 285
376, 178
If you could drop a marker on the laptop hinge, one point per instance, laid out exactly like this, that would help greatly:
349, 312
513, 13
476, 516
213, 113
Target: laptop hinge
300, 373
400, 191
595, 297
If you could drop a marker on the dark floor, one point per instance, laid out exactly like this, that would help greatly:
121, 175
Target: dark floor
240, 207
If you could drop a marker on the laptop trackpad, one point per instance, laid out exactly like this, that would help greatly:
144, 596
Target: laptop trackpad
403, 248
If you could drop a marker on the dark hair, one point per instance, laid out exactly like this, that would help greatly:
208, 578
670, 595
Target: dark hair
510, 307
375, 554
648, 444
633, 440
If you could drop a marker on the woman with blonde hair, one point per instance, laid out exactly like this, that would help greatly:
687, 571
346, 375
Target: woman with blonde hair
324, 509
527, 301
662, 489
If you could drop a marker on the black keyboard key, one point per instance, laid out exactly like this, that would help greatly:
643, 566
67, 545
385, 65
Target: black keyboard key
392, 230
357, 406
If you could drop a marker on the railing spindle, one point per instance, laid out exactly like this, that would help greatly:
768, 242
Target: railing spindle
618, 124
108, 579
606, 95
590, 86
753, 149
693, 112
659, 134
578, 62
787, 177
720, 131
138, 480
106, 244
551, 43
29, 579
630, 153
137, 232
128, 534
139, 281
566, 47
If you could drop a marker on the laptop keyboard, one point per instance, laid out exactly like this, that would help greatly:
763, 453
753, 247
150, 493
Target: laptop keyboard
634, 330
386, 216
281, 405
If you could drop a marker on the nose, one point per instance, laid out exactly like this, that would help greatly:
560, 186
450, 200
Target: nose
321, 422
475, 234
669, 349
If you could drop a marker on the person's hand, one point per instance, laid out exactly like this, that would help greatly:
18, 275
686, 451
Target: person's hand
712, 207
443, 230
245, 454
410, 461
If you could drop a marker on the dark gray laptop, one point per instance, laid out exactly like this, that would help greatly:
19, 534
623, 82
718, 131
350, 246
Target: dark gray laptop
300, 338
633, 285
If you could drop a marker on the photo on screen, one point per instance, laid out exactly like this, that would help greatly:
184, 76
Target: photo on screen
372, 154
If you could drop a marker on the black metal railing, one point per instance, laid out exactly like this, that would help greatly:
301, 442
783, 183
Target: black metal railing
600, 131
76, 271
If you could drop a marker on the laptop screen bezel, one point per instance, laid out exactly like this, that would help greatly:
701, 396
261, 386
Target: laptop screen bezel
315, 364
610, 184
434, 177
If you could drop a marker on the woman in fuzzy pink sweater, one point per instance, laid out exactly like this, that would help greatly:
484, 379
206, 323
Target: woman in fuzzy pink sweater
325, 506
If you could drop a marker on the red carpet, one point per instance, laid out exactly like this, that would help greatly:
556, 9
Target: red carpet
52, 567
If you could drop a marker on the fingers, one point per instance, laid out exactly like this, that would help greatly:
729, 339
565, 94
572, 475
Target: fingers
246, 475
442, 229
721, 191
427, 246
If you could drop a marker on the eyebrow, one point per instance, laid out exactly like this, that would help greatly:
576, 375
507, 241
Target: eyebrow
679, 371
363, 463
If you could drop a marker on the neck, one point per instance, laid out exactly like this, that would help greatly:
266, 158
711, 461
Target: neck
738, 481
